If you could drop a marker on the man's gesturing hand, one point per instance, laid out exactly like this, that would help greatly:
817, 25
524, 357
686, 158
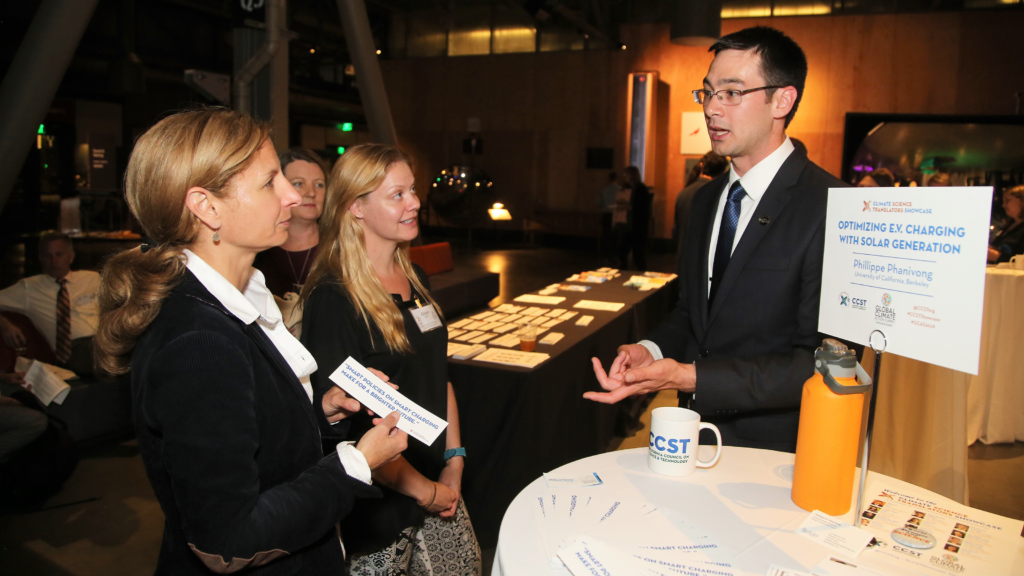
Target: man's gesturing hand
635, 371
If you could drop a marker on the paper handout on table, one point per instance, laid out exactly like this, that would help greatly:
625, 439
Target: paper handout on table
596, 305
533, 311
535, 299
552, 338
774, 570
454, 348
837, 536
45, 385
586, 556
513, 357
373, 393
563, 480
584, 320
22, 364
967, 541
508, 341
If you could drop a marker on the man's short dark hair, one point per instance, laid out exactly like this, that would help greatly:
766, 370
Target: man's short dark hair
782, 61
45, 240
714, 164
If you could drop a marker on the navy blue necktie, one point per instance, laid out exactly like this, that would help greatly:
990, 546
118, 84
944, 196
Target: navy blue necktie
726, 234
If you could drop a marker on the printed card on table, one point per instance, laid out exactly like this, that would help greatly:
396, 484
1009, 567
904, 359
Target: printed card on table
373, 393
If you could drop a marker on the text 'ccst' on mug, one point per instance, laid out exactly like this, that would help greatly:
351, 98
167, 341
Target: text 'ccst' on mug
674, 440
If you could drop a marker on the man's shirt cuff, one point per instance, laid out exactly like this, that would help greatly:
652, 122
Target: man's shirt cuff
652, 348
354, 462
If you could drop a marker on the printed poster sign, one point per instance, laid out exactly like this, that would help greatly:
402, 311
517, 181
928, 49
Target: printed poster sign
911, 263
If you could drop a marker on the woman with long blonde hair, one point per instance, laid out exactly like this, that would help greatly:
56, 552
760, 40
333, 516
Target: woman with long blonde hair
224, 412
365, 299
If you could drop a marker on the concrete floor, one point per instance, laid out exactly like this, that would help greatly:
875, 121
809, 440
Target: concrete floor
107, 521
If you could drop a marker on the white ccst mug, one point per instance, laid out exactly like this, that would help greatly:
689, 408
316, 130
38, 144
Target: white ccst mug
1017, 262
674, 440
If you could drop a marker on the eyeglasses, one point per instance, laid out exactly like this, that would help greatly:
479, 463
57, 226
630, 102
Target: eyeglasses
727, 97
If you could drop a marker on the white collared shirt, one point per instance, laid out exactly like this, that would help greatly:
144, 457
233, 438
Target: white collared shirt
36, 297
755, 183
256, 304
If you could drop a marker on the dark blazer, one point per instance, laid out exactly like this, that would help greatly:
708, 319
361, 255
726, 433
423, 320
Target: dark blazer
1009, 242
754, 347
231, 444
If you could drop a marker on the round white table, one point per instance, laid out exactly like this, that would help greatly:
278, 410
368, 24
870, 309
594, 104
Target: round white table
743, 501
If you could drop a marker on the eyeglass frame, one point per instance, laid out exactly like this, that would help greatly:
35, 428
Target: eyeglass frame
740, 93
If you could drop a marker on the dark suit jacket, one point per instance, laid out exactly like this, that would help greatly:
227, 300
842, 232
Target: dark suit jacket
754, 347
1009, 242
231, 444
681, 225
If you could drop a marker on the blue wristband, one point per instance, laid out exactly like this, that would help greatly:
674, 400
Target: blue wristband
449, 454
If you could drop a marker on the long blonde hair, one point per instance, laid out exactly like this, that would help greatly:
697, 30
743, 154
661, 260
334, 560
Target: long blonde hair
205, 148
342, 255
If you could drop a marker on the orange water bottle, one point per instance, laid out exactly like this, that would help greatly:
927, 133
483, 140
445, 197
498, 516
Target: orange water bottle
829, 435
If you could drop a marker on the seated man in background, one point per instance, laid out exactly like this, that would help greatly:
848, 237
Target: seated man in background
61, 304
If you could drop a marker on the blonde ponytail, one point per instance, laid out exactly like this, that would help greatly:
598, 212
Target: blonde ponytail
203, 148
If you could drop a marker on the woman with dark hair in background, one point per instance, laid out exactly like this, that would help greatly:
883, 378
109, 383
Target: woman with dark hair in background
640, 208
224, 412
285, 267
366, 300
1010, 240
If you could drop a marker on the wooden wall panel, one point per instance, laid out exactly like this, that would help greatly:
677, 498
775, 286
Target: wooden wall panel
529, 104
925, 62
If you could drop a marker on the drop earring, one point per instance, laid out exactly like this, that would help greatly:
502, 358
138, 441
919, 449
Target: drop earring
216, 235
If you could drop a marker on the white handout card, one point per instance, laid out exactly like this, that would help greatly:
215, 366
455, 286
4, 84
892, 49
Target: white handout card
373, 393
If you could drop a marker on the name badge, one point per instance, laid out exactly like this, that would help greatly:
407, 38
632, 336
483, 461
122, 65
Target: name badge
426, 318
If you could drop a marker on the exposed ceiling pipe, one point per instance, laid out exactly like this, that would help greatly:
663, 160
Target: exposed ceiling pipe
364, 57
245, 76
31, 82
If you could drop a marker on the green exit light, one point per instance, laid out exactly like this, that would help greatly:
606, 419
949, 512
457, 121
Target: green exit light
341, 150
346, 127
42, 129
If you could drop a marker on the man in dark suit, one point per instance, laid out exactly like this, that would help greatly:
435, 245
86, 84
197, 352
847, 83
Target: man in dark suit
743, 334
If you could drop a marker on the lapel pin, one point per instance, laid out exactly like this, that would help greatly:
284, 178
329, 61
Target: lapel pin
764, 220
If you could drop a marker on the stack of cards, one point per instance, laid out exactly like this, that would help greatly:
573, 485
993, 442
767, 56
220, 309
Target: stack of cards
625, 538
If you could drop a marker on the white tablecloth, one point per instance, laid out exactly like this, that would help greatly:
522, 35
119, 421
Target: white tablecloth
995, 399
743, 501
926, 416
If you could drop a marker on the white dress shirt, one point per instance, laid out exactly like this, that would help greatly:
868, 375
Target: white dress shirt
755, 183
256, 304
36, 297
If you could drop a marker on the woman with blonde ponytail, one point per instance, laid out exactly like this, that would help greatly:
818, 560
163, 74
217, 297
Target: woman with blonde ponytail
365, 299
223, 407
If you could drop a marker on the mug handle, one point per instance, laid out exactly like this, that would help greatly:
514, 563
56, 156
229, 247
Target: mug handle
718, 435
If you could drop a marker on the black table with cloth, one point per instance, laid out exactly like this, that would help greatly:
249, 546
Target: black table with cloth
519, 422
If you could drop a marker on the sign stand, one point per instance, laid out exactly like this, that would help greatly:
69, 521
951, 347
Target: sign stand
866, 448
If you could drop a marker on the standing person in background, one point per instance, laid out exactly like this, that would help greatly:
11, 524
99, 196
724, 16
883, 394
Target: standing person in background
286, 266
640, 206
60, 302
366, 300
606, 198
225, 416
711, 166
